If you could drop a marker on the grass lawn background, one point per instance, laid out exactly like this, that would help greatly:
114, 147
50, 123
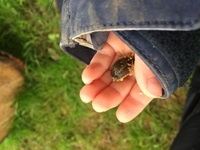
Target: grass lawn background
50, 114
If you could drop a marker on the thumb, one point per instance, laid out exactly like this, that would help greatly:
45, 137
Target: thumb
146, 79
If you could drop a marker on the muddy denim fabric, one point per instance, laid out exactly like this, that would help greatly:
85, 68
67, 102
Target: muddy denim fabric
158, 31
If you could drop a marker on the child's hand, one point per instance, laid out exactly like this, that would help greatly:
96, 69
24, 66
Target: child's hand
132, 95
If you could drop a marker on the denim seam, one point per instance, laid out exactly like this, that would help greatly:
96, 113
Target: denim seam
147, 23
173, 67
68, 21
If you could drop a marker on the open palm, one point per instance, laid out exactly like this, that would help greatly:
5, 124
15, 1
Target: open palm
132, 95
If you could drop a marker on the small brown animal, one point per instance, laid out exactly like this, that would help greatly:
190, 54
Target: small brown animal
123, 67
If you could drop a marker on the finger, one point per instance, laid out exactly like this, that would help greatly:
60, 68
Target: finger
90, 91
113, 95
99, 64
146, 79
133, 104
120, 47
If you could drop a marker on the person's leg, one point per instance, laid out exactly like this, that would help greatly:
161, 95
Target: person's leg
189, 135
193, 96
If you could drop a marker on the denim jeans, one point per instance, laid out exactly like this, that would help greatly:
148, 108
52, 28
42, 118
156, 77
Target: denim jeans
165, 34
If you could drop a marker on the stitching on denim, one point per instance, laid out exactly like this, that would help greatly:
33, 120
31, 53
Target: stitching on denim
142, 23
156, 22
174, 59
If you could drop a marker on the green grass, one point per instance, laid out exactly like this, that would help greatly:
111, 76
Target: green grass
50, 114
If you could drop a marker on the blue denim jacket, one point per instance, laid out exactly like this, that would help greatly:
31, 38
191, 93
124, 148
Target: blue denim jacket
165, 34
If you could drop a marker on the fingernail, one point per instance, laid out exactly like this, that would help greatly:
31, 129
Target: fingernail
154, 87
84, 97
98, 108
